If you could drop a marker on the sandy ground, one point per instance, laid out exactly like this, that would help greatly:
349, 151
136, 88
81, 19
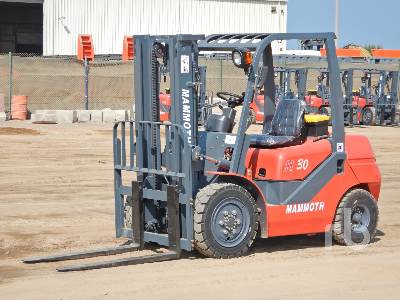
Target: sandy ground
56, 193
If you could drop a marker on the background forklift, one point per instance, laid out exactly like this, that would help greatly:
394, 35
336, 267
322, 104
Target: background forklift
185, 186
318, 100
377, 104
386, 98
349, 109
283, 90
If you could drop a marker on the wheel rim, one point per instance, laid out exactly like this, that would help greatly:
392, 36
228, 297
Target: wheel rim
360, 218
230, 222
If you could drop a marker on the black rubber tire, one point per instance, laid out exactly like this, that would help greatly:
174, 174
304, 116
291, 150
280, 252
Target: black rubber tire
368, 116
206, 201
352, 199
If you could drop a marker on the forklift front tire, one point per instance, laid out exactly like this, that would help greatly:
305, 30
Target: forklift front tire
225, 220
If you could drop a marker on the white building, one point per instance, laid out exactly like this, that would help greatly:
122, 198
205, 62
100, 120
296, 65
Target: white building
108, 21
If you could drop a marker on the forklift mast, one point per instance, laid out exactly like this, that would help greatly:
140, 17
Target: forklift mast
301, 82
394, 96
394, 88
348, 84
386, 99
366, 86
161, 153
283, 89
323, 85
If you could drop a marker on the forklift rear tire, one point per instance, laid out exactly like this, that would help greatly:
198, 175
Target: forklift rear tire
356, 218
368, 116
225, 220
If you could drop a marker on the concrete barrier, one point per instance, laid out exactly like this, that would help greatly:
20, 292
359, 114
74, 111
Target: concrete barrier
66, 116
121, 115
96, 116
84, 116
54, 116
80, 116
3, 116
109, 116
44, 117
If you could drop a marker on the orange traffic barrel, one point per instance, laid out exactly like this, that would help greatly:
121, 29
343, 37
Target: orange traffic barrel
19, 107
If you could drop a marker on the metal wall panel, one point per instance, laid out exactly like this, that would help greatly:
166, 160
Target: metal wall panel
109, 20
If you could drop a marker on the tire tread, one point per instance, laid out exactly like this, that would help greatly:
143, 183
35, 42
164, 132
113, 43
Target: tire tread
202, 200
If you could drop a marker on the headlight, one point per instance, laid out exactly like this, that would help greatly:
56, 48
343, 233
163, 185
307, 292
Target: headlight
242, 58
237, 58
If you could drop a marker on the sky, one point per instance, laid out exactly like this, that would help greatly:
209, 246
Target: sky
361, 22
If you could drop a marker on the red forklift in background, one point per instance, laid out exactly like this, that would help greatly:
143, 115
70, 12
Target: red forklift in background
377, 104
283, 90
318, 100
363, 101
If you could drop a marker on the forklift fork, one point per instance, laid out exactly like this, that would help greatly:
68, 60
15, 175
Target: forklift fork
137, 243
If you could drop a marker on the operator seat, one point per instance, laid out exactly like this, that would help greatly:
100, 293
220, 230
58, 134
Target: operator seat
287, 127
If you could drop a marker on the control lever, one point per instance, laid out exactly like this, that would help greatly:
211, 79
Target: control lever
196, 156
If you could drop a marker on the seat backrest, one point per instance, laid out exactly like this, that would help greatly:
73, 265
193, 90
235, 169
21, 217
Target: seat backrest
289, 118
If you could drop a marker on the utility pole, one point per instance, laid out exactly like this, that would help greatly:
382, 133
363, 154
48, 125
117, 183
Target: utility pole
337, 23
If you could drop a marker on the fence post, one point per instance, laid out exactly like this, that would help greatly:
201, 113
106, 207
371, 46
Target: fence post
10, 73
86, 64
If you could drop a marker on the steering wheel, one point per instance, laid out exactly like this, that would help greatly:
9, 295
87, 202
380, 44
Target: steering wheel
232, 99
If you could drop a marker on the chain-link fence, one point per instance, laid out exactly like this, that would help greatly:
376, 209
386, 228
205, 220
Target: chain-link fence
4, 82
59, 82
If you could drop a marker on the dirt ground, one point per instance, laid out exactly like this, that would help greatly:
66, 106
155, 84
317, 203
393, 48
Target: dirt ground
56, 194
